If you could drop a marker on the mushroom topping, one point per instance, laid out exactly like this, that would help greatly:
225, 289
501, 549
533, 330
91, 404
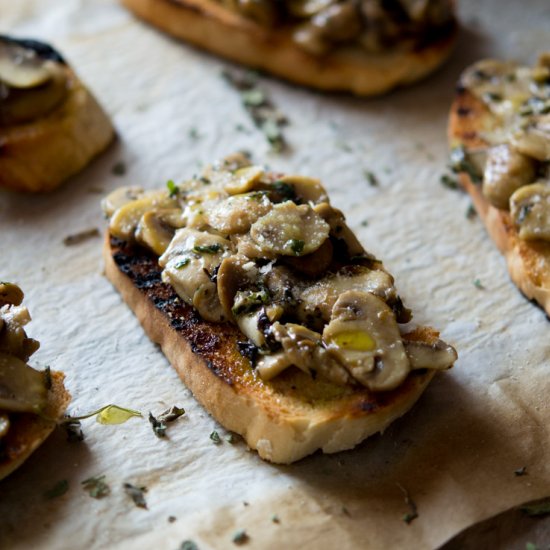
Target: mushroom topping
363, 335
189, 263
438, 355
237, 213
30, 85
338, 22
290, 230
4, 424
307, 8
505, 171
119, 198
13, 338
10, 294
244, 180
314, 264
22, 389
305, 189
530, 209
534, 140
157, 227
125, 220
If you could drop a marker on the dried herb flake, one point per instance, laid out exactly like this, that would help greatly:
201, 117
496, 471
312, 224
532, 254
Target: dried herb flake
59, 489
215, 437
96, 487
137, 494
80, 237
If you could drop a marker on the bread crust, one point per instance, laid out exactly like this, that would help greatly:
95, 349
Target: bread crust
285, 419
28, 431
40, 155
528, 261
212, 27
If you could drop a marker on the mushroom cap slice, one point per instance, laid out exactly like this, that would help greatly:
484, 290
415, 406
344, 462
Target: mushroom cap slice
10, 294
157, 227
364, 336
530, 209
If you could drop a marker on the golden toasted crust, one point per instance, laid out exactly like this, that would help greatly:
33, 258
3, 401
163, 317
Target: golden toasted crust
28, 431
210, 26
284, 419
40, 155
528, 261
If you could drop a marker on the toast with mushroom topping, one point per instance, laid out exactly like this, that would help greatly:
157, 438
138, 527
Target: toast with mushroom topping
367, 47
272, 312
31, 401
51, 126
499, 132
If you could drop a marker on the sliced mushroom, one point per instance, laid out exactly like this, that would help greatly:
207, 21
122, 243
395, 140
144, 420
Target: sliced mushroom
234, 274
13, 338
363, 335
534, 140
339, 229
264, 12
21, 67
249, 325
338, 22
306, 189
290, 230
311, 39
10, 294
530, 209
314, 264
189, 263
438, 355
237, 213
505, 171
22, 389
157, 228
307, 8
125, 220
244, 180
120, 197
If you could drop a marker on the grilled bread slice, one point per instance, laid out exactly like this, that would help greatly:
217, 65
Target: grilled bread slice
472, 127
272, 313
211, 26
51, 126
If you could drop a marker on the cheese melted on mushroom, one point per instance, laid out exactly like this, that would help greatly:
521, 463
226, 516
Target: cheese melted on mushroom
271, 255
514, 168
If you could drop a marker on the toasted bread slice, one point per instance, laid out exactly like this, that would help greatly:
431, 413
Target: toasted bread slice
285, 419
528, 261
40, 154
28, 431
208, 25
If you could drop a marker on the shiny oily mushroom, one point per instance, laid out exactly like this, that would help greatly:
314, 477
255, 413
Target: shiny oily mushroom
290, 230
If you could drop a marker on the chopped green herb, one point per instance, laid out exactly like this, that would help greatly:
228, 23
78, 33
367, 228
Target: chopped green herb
412, 514
521, 471
96, 487
448, 182
539, 508
215, 437
48, 378
531, 546
364, 223
240, 537
173, 189
136, 494
188, 545
204, 180
297, 246
110, 414
159, 427
159, 424
208, 248
478, 284
371, 178
59, 489
232, 438
194, 133
255, 100
248, 300
119, 169
182, 263
460, 162
285, 190
471, 212
172, 519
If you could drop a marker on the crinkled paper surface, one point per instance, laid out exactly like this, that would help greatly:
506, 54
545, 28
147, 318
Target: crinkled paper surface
455, 452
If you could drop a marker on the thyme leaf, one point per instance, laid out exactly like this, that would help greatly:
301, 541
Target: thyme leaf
215, 437
96, 487
208, 248
59, 489
137, 494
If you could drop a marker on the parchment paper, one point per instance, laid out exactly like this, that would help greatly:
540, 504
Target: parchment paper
455, 452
